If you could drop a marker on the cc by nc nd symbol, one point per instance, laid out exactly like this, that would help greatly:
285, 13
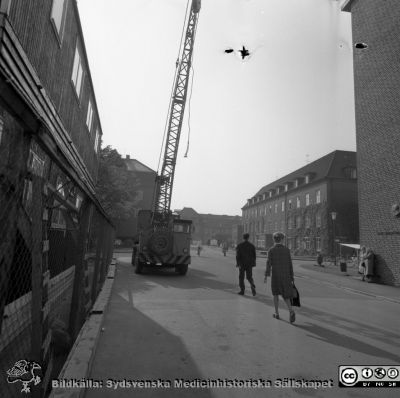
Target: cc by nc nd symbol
348, 376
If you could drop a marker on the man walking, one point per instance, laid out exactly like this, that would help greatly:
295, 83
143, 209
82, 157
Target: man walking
246, 260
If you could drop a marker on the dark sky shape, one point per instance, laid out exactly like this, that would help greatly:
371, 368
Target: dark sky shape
244, 52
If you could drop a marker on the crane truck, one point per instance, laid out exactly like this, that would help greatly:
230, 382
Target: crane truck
163, 237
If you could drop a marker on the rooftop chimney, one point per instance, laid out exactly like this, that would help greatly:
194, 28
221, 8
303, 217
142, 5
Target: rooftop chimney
128, 157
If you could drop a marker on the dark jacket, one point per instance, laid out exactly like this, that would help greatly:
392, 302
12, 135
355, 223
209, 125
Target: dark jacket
245, 254
280, 262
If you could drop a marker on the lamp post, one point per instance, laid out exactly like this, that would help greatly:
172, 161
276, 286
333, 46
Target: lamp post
333, 215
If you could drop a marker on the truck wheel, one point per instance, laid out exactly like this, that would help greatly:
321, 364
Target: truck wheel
181, 269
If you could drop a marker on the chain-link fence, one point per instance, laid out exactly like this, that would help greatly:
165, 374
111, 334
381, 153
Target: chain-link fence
55, 247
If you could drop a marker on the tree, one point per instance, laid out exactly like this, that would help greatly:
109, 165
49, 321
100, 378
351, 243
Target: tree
115, 186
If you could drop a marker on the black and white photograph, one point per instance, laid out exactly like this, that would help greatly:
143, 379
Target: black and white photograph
199, 198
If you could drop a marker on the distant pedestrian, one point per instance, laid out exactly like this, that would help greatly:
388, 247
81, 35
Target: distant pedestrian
367, 263
282, 280
135, 250
199, 249
246, 260
320, 259
224, 248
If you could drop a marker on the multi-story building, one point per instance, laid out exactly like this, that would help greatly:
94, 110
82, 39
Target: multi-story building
145, 179
376, 49
45, 71
51, 221
207, 227
301, 205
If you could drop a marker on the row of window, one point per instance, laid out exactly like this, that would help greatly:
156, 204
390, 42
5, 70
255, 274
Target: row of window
292, 203
267, 227
58, 15
278, 189
305, 243
349, 172
292, 223
296, 222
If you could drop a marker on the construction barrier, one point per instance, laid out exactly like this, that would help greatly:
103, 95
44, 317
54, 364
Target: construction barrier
55, 247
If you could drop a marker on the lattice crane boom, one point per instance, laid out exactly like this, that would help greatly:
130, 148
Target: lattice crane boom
165, 179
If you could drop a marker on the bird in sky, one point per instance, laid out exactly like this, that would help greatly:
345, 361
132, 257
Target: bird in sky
243, 52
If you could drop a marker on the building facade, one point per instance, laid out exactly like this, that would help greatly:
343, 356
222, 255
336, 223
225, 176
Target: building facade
209, 227
301, 205
53, 230
145, 179
376, 49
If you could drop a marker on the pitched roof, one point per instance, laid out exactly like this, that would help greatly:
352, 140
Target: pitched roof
329, 166
188, 212
135, 165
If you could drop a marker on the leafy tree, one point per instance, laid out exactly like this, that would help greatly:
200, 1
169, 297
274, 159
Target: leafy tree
115, 186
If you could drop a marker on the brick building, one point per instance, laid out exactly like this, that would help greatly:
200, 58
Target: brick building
49, 123
376, 53
145, 179
301, 206
222, 228
55, 238
45, 70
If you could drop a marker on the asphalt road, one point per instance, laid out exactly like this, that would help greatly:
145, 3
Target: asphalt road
163, 327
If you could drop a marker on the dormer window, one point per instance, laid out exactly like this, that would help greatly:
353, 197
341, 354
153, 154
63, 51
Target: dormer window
296, 183
350, 172
286, 187
277, 191
264, 196
270, 194
307, 179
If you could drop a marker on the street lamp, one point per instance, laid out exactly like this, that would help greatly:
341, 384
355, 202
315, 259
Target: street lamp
333, 215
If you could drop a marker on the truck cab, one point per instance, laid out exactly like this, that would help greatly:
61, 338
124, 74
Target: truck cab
166, 247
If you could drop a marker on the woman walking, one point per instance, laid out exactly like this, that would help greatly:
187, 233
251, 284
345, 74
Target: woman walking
282, 280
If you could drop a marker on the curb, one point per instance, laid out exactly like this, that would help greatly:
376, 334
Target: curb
78, 365
338, 285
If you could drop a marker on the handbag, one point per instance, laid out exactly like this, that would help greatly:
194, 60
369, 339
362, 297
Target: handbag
295, 301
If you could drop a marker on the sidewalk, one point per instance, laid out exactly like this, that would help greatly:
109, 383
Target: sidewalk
351, 280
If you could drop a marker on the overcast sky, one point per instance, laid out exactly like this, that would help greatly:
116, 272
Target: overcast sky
251, 121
